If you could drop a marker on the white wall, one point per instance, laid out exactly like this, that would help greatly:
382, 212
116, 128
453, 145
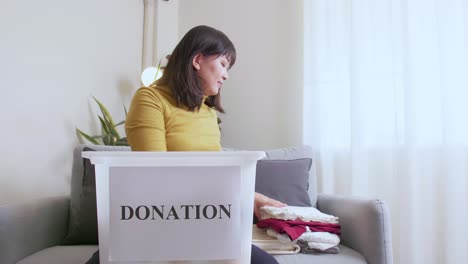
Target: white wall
160, 30
263, 98
54, 55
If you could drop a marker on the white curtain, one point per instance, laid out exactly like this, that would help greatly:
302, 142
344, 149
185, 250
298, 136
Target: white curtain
386, 109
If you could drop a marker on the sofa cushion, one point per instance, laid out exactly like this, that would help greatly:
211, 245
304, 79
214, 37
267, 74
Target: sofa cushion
299, 152
346, 256
81, 254
61, 255
284, 180
82, 228
292, 153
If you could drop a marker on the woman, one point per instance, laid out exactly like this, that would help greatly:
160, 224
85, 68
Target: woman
178, 111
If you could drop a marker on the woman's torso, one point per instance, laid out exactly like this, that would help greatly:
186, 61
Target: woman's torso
155, 123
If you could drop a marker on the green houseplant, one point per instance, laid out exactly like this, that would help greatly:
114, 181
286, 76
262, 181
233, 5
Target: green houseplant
109, 135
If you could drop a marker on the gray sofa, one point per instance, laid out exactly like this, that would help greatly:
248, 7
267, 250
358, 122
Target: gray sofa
31, 232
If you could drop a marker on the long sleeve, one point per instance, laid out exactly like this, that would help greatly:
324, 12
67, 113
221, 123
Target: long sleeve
145, 125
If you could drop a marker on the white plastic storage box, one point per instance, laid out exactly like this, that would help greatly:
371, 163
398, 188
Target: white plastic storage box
166, 207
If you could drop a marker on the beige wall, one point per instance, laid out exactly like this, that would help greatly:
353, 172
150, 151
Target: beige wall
263, 97
54, 55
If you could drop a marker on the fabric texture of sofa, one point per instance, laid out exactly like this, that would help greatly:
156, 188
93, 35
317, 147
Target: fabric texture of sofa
33, 232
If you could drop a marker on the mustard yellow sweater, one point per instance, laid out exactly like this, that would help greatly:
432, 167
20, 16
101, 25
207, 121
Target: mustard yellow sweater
155, 123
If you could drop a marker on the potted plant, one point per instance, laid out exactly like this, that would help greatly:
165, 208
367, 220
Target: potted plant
109, 135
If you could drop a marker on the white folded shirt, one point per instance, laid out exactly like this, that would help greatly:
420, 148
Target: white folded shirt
295, 212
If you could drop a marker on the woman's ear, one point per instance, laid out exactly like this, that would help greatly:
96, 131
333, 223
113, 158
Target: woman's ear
196, 61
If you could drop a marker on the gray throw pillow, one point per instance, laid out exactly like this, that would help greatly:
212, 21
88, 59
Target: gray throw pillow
284, 180
83, 214
82, 226
293, 153
299, 152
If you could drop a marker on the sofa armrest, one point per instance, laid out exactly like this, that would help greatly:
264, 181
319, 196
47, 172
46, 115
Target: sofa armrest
365, 225
28, 227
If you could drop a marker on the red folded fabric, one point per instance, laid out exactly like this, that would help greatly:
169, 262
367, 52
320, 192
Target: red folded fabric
295, 228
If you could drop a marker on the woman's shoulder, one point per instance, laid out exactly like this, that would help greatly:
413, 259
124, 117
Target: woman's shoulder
155, 93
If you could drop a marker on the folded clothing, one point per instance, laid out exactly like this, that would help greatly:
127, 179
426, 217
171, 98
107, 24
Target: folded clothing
310, 241
311, 248
295, 228
271, 245
308, 236
296, 212
274, 248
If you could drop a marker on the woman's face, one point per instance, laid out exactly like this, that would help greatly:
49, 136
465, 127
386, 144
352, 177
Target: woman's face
212, 71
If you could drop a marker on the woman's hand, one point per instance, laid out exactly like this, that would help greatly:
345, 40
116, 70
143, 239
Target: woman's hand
262, 200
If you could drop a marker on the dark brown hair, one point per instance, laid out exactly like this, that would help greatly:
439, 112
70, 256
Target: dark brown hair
179, 74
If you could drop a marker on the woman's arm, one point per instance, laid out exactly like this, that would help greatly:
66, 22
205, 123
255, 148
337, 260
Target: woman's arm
144, 124
262, 200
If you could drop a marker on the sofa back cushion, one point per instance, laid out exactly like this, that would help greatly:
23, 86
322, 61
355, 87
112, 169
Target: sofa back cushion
82, 227
284, 180
294, 153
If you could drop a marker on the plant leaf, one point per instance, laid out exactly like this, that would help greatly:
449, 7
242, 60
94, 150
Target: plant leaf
104, 111
106, 139
113, 132
87, 137
105, 129
113, 140
122, 142
126, 112
120, 123
107, 119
